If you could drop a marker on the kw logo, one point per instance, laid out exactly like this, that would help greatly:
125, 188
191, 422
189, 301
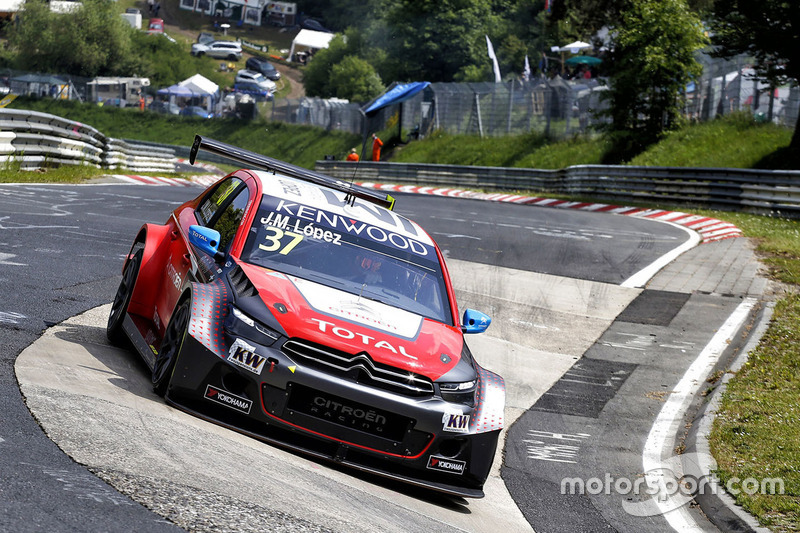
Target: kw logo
456, 422
244, 355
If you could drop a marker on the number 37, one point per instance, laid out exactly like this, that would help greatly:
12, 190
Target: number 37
275, 241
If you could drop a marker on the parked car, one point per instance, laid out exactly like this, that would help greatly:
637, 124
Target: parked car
259, 64
205, 37
160, 106
230, 50
311, 24
156, 26
302, 311
251, 76
253, 89
196, 111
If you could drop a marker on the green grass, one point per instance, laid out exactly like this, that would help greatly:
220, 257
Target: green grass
757, 431
735, 141
301, 145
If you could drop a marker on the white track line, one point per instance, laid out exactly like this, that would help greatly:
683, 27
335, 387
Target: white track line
658, 450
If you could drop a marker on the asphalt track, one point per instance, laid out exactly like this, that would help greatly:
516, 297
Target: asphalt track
95, 402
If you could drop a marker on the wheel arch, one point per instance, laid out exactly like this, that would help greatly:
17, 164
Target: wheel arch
150, 238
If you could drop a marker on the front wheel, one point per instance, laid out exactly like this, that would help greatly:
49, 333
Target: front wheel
170, 348
122, 300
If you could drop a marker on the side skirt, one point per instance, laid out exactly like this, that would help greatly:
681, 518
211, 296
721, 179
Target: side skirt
138, 341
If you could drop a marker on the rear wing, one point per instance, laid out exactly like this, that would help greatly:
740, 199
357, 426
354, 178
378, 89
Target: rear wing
262, 162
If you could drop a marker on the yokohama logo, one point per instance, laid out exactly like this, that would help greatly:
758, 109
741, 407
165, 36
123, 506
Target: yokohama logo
218, 395
443, 464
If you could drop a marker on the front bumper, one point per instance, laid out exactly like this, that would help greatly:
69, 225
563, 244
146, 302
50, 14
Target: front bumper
337, 418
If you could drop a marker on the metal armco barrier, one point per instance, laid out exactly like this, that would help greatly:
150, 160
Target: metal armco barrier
33, 140
763, 192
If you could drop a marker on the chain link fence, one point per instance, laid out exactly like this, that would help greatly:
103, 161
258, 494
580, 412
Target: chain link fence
555, 107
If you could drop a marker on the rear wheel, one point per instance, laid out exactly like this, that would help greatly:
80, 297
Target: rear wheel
170, 348
232, 57
122, 299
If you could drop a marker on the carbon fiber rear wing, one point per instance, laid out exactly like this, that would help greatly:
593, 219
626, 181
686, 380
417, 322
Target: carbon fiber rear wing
262, 162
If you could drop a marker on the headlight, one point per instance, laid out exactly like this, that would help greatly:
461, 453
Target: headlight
240, 324
463, 392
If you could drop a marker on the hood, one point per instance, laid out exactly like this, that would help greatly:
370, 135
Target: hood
346, 322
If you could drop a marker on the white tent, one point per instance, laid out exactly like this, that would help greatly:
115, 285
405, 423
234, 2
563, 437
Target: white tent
202, 86
575, 47
9, 7
310, 39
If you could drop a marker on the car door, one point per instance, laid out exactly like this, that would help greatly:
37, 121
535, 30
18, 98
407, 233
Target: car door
222, 210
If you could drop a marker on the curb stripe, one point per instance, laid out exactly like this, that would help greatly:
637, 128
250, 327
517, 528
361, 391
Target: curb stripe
709, 229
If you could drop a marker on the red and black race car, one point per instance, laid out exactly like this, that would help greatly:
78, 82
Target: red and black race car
304, 312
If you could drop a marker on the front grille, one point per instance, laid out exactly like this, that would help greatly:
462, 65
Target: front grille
359, 368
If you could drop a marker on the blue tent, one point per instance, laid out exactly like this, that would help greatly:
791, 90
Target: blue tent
396, 95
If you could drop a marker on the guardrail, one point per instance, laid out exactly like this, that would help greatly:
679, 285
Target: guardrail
763, 192
33, 140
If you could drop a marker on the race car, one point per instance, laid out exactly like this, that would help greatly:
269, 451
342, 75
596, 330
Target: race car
303, 311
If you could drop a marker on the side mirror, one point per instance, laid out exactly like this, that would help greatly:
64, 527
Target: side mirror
475, 321
205, 239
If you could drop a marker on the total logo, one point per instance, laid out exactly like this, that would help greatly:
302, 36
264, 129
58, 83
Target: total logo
443, 464
366, 340
217, 395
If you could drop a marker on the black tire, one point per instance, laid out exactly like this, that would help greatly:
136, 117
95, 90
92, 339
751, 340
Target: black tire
233, 58
170, 348
119, 307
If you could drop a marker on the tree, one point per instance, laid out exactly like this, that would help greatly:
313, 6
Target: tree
90, 41
342, 71
430, 40
354, 79
769, 31
652, 61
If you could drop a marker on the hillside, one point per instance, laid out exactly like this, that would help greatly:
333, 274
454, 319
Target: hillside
734, 141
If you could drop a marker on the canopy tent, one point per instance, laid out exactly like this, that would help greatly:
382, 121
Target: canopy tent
41, 85
310, 39
176, 90
201, 85
397, 94
197, 87
575, 47
8, 8
583, 60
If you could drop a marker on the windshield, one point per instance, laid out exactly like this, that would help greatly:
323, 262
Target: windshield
350, 255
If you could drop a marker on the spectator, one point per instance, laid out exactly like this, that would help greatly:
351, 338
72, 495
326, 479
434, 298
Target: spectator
150, 5
353, 155
376, 147
156, 9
